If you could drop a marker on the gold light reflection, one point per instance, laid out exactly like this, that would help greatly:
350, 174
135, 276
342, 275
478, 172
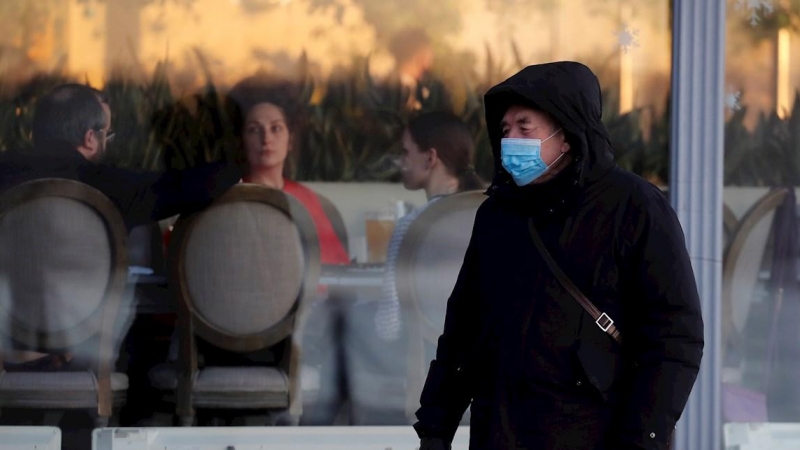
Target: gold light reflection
784, 88
626, 67
229, 41
87, 39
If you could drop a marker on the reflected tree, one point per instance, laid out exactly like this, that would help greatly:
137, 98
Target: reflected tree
439, 18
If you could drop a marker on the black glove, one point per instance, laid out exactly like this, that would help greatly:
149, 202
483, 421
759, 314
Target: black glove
433, 444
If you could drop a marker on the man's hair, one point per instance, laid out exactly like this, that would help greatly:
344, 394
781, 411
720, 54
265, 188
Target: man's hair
407, 42
66, 113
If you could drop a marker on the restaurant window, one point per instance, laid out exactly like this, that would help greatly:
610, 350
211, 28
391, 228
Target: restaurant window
350, 75
759, 296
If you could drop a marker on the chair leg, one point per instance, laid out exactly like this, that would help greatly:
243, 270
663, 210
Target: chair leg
183, 402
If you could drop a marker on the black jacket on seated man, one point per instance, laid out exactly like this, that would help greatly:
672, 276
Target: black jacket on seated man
71, 129
142, 197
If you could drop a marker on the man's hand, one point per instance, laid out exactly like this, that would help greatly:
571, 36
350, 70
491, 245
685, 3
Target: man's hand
433, 444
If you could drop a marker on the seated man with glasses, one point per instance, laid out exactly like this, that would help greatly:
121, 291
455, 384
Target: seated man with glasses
71, 130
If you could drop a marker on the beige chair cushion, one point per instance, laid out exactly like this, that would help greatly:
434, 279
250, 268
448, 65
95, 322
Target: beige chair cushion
230, 387
56, 389
55, 263
244, 267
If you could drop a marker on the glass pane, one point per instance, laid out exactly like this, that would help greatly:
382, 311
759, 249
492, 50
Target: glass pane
760, 290
314, 96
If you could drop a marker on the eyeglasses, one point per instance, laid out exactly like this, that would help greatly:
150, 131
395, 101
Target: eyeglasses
109, 134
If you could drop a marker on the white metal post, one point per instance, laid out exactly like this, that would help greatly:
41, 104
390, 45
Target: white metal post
696, 182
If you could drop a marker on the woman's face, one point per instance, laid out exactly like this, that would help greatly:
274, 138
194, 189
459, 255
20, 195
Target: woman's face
266, 137
414, 164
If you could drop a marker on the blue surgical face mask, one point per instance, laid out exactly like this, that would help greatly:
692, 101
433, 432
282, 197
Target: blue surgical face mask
522, 158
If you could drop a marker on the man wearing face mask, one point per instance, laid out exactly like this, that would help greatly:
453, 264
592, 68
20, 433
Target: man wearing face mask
575, 323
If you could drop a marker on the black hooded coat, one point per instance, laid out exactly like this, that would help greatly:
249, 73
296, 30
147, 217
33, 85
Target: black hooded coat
538, 372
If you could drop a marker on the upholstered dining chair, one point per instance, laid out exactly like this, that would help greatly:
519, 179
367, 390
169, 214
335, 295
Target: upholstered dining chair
241, 270
428, 263
729, 224
63, 269
742, 263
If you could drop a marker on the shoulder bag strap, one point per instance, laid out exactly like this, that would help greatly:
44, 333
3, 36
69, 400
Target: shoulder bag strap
600, 318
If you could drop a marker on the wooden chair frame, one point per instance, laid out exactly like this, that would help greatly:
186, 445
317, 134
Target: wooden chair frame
102, 321
766, 204
191, 323
335, 218
729, 225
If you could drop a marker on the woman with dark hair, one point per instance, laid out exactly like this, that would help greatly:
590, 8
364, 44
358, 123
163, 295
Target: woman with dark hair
437, 150
437, 156
265, 115
265, 119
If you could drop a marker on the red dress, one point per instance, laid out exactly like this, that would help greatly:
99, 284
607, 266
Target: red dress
331, 249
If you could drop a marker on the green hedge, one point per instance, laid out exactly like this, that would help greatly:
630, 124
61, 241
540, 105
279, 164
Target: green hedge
352, 128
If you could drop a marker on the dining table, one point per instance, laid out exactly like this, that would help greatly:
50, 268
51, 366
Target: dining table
152, 294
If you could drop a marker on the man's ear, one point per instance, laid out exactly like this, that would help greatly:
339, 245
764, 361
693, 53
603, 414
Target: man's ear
89, 137
433, 157
90, 145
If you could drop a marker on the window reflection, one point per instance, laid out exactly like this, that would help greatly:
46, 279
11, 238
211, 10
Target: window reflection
760, 289
351, 75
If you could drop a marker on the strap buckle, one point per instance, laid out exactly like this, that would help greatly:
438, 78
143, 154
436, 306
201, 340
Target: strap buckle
607, 323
